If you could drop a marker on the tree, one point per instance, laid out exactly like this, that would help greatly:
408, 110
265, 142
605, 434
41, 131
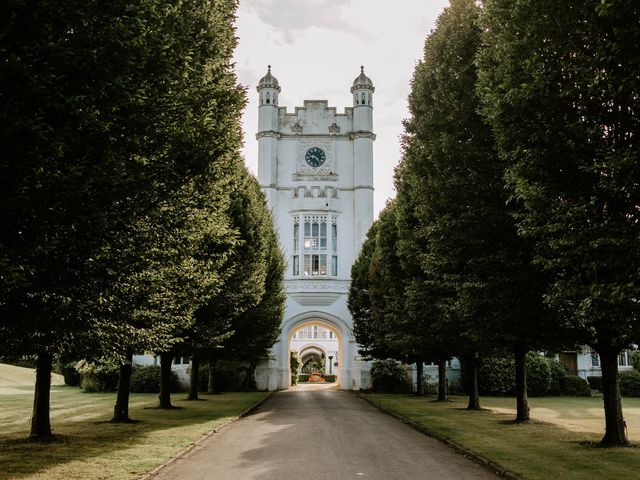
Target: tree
391, 278
424, 318
383, 325
560, 87
370, 342
255, 268
294, 365
173, 258
468, 237
256, 328
100, 116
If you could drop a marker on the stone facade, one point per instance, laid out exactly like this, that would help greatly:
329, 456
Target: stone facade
315, 166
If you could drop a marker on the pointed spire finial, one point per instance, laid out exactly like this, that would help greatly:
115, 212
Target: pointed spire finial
269, 68
361, 68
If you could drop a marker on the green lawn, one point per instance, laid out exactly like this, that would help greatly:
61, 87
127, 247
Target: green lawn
537, 451
88, 447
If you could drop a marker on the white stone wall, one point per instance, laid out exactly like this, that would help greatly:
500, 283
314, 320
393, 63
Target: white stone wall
341, 187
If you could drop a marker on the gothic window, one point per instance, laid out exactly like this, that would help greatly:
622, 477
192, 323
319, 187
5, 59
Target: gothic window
296, 265
595, 359
318, 257
296, 247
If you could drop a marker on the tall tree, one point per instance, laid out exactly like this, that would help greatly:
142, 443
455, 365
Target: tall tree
245, 288
100, 108
469, 236
560, 83
252, 322
258, 328
424, 320
367, 332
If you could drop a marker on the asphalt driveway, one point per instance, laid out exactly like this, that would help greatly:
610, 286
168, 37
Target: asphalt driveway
323, 434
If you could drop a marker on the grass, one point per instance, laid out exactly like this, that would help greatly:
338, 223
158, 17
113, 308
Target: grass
87, 446
537, 450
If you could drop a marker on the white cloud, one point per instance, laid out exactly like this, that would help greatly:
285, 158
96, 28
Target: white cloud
291, 18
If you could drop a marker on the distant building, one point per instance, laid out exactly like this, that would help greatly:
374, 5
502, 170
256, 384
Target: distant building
586, 362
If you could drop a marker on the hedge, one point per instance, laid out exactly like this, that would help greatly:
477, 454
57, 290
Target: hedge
497, 375
575, 386
389, 376
558, 374
630, 383
147, 380
97, 377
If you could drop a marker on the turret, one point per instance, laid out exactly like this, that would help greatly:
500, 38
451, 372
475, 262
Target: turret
362, 91
268, 135
268, 90
363, 138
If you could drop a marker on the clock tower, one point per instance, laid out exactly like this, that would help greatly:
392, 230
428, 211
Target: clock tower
315, 166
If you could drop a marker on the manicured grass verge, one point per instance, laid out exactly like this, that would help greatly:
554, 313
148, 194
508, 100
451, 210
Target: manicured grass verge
88, 447
536, 451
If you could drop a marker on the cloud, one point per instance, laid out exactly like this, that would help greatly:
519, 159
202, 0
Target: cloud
290, 18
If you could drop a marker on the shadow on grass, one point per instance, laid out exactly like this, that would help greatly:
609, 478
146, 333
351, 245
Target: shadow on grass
465, 409
599, 445
79, 436
531, 421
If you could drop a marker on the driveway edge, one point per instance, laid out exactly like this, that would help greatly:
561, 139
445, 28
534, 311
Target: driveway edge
476, 457
154, 473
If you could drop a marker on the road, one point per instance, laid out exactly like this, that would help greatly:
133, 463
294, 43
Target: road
323, 435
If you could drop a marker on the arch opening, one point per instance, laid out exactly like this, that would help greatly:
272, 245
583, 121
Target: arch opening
318, 343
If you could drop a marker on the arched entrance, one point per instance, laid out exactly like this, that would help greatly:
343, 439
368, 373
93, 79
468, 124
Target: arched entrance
319, 346
351, 371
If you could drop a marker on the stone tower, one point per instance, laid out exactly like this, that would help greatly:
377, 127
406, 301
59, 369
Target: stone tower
315, 167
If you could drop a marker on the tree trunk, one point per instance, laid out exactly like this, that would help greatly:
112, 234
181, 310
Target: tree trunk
443, 395
121, 409
211, 387
194, 378
615, 427
472, 385
165, 380
420, 378
40, 420
522, 402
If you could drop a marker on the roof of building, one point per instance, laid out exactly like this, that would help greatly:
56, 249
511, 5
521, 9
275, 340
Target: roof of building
362, 81
269, 81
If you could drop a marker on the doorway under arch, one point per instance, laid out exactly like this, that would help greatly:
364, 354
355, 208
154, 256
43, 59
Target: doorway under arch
320, 338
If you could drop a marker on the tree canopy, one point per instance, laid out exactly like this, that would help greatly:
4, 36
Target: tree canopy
560, 85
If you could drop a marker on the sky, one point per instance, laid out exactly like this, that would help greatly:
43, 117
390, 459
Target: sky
316, 47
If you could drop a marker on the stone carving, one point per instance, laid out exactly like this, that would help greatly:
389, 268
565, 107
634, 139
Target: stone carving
268, 133
334, 129
317, 286
369, 135
296, 128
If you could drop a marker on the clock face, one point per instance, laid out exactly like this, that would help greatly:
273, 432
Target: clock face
315, 157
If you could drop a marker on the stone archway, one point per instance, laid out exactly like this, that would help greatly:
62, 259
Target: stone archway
275, 372
315, 344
